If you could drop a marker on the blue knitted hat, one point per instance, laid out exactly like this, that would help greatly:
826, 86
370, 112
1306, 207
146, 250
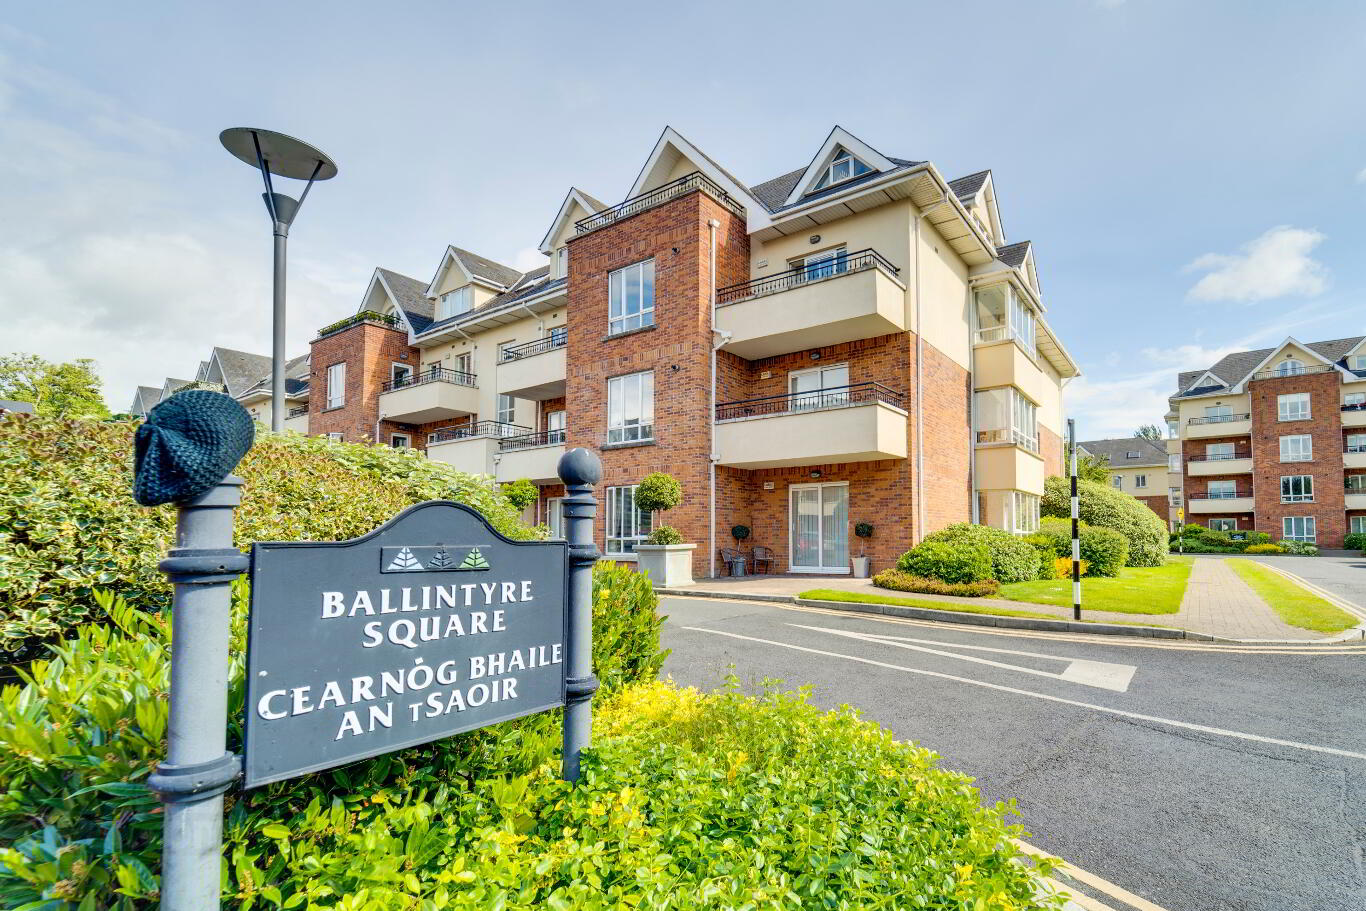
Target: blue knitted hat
187, 445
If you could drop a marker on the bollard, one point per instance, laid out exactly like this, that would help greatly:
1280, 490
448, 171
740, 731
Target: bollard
198, 767
580, 470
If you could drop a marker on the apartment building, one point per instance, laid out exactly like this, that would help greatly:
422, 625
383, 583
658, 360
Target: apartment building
1140, 467
854, 340
1274, 440
243, 375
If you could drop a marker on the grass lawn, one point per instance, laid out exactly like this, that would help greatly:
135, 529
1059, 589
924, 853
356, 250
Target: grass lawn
830, 594
1295, 605
1136, 590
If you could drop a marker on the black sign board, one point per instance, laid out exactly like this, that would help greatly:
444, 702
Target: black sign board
430, 625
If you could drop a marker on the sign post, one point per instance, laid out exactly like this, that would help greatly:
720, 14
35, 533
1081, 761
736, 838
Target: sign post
1181, 531
1076, 523
580, 470
198, 767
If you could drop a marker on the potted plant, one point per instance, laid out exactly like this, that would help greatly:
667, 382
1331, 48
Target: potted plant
663, 555
863, 564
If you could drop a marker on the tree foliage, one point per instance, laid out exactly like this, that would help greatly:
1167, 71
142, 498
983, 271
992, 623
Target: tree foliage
521, 493
70, 390
658, 491
1149, 432
1105, 507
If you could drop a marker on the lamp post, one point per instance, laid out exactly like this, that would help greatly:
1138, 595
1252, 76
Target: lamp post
283, 156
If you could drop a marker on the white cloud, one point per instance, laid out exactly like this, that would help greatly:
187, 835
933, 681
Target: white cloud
1276, 264
1361, 176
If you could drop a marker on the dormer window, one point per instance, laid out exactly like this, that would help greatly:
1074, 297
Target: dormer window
454, 303
1290, 367
1131, 454
1357, 362
841, 168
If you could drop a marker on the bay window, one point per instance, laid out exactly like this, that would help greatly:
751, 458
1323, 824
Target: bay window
1003, 313
1005, 416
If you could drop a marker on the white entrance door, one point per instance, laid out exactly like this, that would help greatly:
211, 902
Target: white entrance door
819, 539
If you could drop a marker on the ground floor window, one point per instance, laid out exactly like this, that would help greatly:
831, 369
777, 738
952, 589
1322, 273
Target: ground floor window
554, 517
1299, 528
1223, 524
335, 436
627, 526
1358, 525
400, 440
1024, 513
1297, 488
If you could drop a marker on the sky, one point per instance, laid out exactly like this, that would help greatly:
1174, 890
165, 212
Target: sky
1192, 174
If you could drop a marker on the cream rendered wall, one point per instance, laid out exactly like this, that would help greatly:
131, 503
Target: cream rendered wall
1050, 412
946, 317
561, 237
484, 347
1195, 408
1156, 474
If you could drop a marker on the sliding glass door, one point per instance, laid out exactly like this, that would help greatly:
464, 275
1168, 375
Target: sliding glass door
819, 516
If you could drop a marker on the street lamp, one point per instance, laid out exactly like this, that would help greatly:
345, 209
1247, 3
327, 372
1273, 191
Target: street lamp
285, 156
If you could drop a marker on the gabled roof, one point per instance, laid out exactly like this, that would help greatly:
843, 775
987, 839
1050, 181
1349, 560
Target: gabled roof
296, 379
1233, 370
169, 387
484, 271
144, 398
239, 369
966, 188
575, 196
1116, 451
533, 285
1014, 254
839, 138
409, 296
660, 161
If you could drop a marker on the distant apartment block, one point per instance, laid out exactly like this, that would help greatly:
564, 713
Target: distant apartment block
1275, 440
1140, 467
854, 340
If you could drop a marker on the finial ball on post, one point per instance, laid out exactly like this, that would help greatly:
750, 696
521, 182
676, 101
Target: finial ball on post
580, 467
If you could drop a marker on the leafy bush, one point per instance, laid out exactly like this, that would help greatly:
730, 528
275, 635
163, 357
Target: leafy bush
1012, 559
1264, 549
1105, 507
1257, 537
947, 562
664, 534
68, 523
1299, 548
1103, 550
521, 493
1194, 546
1217, 539
739, 532
82, 733
896, 580
1355, 541
658, 491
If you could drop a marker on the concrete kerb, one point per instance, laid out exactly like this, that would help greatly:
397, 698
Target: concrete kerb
950, 616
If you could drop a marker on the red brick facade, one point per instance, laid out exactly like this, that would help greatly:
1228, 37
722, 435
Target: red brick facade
369, 351
1159, 505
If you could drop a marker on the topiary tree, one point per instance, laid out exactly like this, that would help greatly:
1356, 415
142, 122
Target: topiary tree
739, 532
864, 531
521, 493
659, 492
1105, 507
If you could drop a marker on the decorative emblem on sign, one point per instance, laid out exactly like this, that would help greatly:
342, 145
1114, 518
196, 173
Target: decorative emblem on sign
432, 558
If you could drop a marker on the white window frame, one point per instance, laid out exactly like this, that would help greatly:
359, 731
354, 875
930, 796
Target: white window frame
1221, 485
1291, 366
562, 262
1358, 446
1174, 496
554, 517
1021, 418
1288, 407
336, 436
1354, 399
1357, 362
1219, 411
633, 528
1299, 528
506, 409
395, 367
1117, 481
405, 437
1360, 486
1024, 512
1297, 488
1288, 446
851, 165
623, 427
454, 303
556, 423
618, 319
834, 261
1224, 524
1219, 452
1357, 525
336, 385
1140, 481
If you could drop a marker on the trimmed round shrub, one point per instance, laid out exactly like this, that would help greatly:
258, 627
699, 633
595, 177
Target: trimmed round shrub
664, 534
896, 580
1105, 507
1012, 558
1264, 549
658, 492
739, 532
947, 562
1103, 550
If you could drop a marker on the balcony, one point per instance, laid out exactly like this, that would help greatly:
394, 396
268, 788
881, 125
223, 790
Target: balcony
840, 300
1007, 364
472, 447
1010, 466
1354, 456
297, 422
1219, 503
534, 456
1219, 425
859, 423
1354, 499
535, 370
1354, 415
1205, 465
1298, 371
657, 197
434, 394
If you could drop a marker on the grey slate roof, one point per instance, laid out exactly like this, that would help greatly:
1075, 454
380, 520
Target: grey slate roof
240, 368
169, 388
487, 269
1234, 368
774, 192
966, 187
596, 205
1013, 254
296, 378
144, 398
411, 298
1116, 451
530, 285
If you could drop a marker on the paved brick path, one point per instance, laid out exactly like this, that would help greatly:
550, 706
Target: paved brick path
1217, 602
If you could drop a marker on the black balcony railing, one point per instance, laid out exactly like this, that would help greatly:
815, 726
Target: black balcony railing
556, 339
532, 440
1219, 419
816, 400
1220, 495
478, 430
365, 316
1354, 447
672, 190
1355, 406
298, 411
431, 375
1279, 373
1220, 457
801, 275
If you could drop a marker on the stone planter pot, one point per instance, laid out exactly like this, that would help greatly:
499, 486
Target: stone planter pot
669, 565
863, 567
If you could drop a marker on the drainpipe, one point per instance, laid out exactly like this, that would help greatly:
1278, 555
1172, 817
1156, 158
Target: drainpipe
717, 340
973, 506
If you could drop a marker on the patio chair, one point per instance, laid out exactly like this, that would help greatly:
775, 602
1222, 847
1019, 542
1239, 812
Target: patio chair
727, 555
761, 558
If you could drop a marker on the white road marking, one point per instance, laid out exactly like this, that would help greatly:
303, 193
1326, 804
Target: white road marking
1239, 735
1101, 674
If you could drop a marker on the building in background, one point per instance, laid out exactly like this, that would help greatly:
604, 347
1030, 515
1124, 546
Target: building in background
854, 340
1274, 440
1139, 467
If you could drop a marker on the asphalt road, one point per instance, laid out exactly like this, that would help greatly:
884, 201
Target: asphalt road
1199, 777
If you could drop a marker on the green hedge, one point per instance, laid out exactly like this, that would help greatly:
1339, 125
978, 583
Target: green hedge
1104, 550
1105, 507
68, 523
953, 563
1012, 560
1354, 541
900, 581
